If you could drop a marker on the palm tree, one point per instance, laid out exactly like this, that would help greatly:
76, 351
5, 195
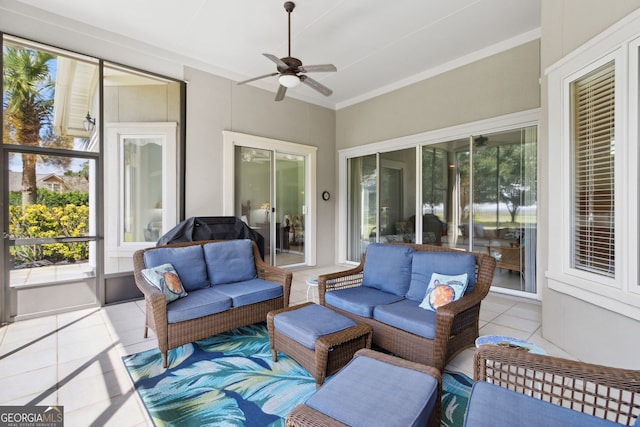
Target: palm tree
28, 105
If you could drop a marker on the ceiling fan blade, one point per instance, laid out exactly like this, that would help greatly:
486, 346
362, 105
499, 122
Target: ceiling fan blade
317, 68
279, 62
316, 85
282, 90
258, 78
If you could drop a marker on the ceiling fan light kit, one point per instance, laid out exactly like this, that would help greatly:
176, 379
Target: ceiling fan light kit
291, 72
289, 80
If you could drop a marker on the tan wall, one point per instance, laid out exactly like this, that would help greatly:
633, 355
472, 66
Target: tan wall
589, 332
215, 104
504, 83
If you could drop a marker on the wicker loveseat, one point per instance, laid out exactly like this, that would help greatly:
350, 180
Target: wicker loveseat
400, 326
227, 285
515, 387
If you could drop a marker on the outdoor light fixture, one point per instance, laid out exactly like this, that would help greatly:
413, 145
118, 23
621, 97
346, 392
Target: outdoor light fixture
89, 123
289, 80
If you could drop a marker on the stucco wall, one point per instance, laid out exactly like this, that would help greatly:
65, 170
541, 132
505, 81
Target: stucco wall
587, 331
504, 83
215, 104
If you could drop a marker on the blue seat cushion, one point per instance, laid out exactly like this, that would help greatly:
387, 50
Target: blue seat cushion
305, 325
360, 300
199, 303
250, 291
493, 406
230, 261
188, 261
450, 263
368, 392
408, 316
388, 268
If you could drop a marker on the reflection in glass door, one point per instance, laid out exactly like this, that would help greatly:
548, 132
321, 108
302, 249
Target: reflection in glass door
253, 184
477, 194
289, 214
283, 223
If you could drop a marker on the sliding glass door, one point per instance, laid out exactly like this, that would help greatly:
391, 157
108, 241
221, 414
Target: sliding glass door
476, 193
270, 186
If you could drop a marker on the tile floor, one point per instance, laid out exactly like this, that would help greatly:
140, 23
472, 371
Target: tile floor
74, 359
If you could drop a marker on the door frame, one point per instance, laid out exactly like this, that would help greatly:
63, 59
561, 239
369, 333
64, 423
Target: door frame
233, 139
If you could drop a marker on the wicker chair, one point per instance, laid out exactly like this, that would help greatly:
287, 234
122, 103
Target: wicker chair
456, 323
172, 335
601, 391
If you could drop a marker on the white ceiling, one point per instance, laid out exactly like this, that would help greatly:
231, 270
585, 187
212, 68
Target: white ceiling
377, 45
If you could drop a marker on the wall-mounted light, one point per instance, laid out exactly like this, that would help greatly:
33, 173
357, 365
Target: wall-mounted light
89, 123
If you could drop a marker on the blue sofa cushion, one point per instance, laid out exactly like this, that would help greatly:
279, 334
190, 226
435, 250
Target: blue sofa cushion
188, 262
230, 261
250, 291
368, 392
360, 300
199, 303
491, 405
449, 263
305, 325
407, 315
388, 268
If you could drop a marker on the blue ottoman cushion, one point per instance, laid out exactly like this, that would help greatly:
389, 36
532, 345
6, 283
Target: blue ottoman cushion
493, 406
305, 325
368, 392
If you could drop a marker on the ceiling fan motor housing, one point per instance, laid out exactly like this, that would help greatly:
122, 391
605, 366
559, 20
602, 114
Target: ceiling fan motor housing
292, 65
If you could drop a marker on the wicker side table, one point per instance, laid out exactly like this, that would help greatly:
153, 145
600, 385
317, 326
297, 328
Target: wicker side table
325, 354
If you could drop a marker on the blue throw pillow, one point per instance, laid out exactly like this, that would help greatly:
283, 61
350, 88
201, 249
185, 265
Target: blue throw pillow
388, 268
449, 263
443, 289
188, 262
230, 261
165, 278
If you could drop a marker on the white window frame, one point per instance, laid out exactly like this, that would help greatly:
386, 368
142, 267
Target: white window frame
115, 134
621, 294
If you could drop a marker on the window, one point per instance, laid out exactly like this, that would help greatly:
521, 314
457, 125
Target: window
593, 113
475, 193
593, 162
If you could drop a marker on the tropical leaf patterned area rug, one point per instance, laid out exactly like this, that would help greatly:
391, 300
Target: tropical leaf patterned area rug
230, 380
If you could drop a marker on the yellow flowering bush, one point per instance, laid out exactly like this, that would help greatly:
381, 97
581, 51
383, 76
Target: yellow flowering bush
40, 221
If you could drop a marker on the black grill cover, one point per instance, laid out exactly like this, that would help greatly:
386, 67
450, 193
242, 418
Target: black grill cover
212, 228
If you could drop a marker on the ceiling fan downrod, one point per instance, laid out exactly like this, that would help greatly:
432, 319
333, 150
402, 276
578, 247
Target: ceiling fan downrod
289, 6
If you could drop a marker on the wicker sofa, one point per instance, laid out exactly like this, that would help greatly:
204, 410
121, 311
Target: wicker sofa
400, 326
515, 387
227, 285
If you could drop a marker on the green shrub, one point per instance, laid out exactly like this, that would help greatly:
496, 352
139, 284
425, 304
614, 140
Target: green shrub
40, 221
52, 198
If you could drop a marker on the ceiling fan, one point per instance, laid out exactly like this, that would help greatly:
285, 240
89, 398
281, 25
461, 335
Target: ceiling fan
291, 71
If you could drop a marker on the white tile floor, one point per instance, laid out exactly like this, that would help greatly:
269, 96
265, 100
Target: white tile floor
74, 359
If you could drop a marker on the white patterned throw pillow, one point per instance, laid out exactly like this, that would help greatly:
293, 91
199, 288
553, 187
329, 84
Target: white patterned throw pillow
443, 289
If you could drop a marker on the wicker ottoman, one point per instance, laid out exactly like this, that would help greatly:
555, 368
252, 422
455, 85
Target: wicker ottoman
374, 389
319, 339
